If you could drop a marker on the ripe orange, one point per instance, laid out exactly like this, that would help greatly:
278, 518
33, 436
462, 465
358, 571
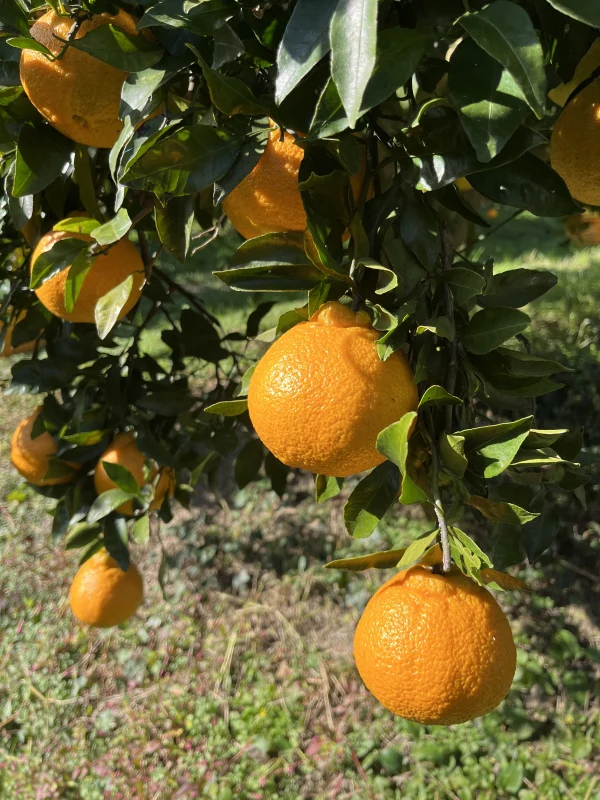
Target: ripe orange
108, 270
436, 649
268, 200
575, 145
78, 94
102, 595
320, 395
31, 457
8, 349
123, 450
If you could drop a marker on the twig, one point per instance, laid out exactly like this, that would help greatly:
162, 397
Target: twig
439, 510
583, 572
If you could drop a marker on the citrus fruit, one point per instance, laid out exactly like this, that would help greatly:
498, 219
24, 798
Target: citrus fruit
78, 94
109, 269
8, 349
268, 200
436, 649
123, 450
31, 457
575, 145
102, 594
463, 185
320, 395
587, 65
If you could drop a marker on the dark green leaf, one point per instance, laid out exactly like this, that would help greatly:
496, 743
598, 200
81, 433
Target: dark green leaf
353, 38
174, 222
200, 16
185, 162
115, 540
228, 46
437, 395
465, 283
79, 269
28, 43
490, 104
108, 308
507, 513
119, 49
371, 499
505, 31
13, 15
327, 487
489, 328
230, 95
106, 503
122, 477
228, 408
139, 87
540, 534
277, 472
248, 157
569, 444
526, 183
304, 43
586, 11
517, 287
60, 256
452, 453
491, 448
248, 463
42, 156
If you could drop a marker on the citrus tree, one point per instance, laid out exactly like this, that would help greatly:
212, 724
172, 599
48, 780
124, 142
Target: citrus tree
337, 137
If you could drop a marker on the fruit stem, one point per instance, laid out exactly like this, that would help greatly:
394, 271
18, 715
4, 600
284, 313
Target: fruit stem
439, 511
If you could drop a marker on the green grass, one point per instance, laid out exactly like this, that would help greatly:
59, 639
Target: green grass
241, 683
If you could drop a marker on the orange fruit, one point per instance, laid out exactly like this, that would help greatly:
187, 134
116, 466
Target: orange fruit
108, 270
123, 450
8, 349
31, 457
436, 649
320, 395
575, 145
78, 94
268, 200
102, 594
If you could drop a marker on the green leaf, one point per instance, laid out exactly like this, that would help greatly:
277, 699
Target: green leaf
248, 157
119, 49
517, 287
505, 31
441, 326
489, 328
305, 42
28, 43
106, 503
387, 278
248, 463
230, 95
140, 530
122, 477
465, 283
186, 162
393, 443
81, 535
198, 16
437, 395
569, 444
140, 87
113, 230
507, 513
538, 438
228, 46
353, 37
13, 15
109, 307
60, 256
115, 540
491, 448
277, 472
416, 549
371, 499
273, 262
452, 453
77, 225
581, 10
317, 296
510, 777
327, 487
490, 103
80, 267
43, 154
85, 181
246, 378
174, 222
527, 183
520, 364
228, 408
383, 560
540, 534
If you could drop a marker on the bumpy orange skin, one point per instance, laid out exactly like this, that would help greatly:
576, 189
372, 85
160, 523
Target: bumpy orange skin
268, 200
102, 595
123, 450
436, 649
78, 94
8, 349
31, 457
575, 145
108, 270
320, 395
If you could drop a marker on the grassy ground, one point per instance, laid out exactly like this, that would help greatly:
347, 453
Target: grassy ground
242, 684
